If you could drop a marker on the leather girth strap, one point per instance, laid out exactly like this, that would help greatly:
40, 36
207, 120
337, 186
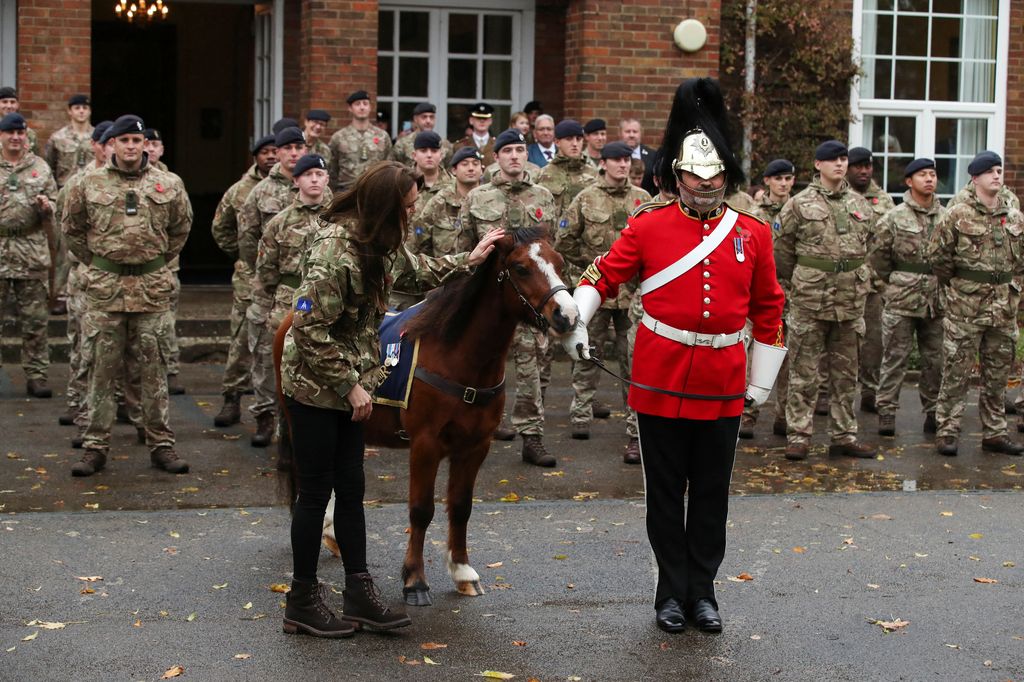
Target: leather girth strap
468, 394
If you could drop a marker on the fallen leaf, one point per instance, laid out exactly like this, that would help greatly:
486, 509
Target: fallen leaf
430, 646
511, 497
755, 637
881, 517
496, 675
93, 505
87, 590
560, 557
518, 642
47, 625
890, 625
90, 578
176, 671
986, 581
220, 587
242, 657
189, 489
799, 550
408, 661
191, 617
280, 588
584, 495
429, 661
174, 534
976, 536
952, 646
873, 586
741, 578
552, 474
848, 541
29, 638
496, 564
137, 623
919, 555
248, 605
946, 514
1008, 564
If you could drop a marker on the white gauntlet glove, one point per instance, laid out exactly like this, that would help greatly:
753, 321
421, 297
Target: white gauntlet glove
577, 342
587, 300
765, 362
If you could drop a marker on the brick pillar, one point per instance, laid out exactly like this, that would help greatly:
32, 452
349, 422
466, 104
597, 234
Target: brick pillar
54, 60
1014, 148
620, 59
338, 42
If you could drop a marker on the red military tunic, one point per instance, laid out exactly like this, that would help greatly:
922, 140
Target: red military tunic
714, 297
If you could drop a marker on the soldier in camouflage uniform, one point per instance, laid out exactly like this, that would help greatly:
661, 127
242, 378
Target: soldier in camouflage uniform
424, 118
480, 119
859, 175
313, 130
358, 145
126, 221
820, 253
272, 195
596, 132
911, 295
225, 233
976, 251
586, 230
27, 194
436, 228
9, 104
510, 201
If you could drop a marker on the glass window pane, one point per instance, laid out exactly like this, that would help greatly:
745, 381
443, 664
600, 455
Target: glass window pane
385, 76
979, 40
883, 43
913, 5
946, 38
978, 83
458, 121
885, 5
984, 8
502, 112
386, 31
947, 6
911, 35
909, 79
497, 80
877, 81
404, 120
944, 83
462, 78
462, 33
497, 34
413, 76
386, 108
414, 31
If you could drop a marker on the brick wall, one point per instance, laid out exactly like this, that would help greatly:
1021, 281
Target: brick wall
338, 43
292, 76
54, 59
620, 59
1015, 100
549, 58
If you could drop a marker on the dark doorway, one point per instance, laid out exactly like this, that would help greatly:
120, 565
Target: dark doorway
191, 77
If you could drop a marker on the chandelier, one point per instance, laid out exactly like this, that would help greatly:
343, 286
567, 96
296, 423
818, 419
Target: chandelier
130, 9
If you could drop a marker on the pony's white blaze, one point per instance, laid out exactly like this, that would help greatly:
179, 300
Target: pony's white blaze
461, 573
562, 298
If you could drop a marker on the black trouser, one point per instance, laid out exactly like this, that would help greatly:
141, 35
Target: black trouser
694, 458
328, 452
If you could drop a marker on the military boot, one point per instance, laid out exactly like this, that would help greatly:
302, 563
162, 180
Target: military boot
173, 387
946, 446
231, 412
122, 414
796, 452
886, 425
264, 430
632, 454
307, 613
580, 431
747, 427
779, 426
363, 605
504, 432
164, 457
140, 435
851, 449
1002, 444
821, 405
78, 440
931, 426
91, 462
601, 411
535, 453
67, 419
37, 388
867, 404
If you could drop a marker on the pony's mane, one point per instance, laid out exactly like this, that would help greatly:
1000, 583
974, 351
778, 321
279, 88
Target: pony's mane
448, 309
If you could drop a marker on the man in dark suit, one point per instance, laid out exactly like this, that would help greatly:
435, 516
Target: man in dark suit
632, 133
544, 149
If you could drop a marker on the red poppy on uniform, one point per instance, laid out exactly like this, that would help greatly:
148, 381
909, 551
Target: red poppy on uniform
35, 174
858, 215
874, 200
159, 187
376, 140
539, 213
637, 202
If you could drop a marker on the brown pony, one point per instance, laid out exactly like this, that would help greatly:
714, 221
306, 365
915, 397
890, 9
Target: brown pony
465, 330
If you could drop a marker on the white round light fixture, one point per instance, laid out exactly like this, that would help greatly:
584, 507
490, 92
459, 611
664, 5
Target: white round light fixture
690, 35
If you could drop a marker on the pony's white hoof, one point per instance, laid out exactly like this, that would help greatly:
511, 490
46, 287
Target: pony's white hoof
470, 588
332, 545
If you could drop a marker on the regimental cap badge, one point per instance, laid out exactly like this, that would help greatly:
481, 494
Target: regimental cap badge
698, 155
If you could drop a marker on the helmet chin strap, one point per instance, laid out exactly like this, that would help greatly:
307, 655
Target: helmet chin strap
702, 201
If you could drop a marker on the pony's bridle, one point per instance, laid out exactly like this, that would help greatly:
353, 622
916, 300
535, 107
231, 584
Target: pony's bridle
539, 320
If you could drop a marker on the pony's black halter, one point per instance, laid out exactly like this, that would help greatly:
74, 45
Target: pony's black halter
539, 321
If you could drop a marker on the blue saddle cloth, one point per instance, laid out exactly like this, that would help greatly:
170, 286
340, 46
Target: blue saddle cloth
397, 357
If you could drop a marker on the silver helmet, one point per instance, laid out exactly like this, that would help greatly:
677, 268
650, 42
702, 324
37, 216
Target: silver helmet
698, 155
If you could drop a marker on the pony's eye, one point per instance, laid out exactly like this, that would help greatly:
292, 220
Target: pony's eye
522, 270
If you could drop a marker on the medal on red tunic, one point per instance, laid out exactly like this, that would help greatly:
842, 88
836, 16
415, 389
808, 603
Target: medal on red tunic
738, 244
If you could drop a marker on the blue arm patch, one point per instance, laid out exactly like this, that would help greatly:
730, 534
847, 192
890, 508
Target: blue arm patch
563, 223
304, 305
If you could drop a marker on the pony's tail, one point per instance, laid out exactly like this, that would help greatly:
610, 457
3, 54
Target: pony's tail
285, 453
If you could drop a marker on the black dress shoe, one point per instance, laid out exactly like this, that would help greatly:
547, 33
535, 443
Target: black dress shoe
670, 616
706, 616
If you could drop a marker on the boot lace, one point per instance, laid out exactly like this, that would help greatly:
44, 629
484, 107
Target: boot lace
374, 593
320, 596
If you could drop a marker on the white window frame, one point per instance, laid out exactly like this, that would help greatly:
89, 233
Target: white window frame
9, 43
925, 111
268, 67
524, 17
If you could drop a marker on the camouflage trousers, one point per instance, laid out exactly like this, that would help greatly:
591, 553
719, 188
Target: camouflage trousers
239, 363
31, 312
781, 385
994, 347
586, 375
120, 342
169, 333
79, 355
808, 340
532, 352
868, 370
898, 332
61, 267
264, 384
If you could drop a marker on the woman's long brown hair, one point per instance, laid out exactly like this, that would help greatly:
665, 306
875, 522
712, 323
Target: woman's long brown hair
377, 202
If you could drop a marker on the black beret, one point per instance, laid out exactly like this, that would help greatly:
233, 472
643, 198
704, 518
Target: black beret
308, 162
859, 155
13, 121
464, 153
482, 110
262, 142
152, 134
616, 150
510, 136
318, 115
282, 123
8, 92
568, 128
424, 108
101, 127
828, 151
980, 163
427, 139
532, 105
79, 99
358, 95
779, 167
917, 165
291, 135
594, 125
123, 125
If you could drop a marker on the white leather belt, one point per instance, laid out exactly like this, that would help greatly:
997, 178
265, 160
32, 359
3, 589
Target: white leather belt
692, 338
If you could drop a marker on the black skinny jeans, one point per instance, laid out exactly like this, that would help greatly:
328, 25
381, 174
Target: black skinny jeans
328, 451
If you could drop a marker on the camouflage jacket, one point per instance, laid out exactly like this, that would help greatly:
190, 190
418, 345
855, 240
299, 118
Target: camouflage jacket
353, 151
828, 228
96, 223
741, 201
282, 247
437, 229
333, 343
323, 149
402, 151
565, 178
768, 211
427, 193
224, 227
973, 237
592, 222
508, 205
967, 195
531, 172
270, 196
881, 202
67, 152
24, 247
901, 240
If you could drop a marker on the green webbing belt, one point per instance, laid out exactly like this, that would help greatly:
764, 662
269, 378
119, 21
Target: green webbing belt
292, 281
983, 276
846, 265
919, 268
128, 270
20, 231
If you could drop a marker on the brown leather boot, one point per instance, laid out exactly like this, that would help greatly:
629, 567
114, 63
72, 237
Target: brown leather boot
867, 404
535, 453
946, 446
91, 462
851, 449
931, 426
601, 411
886, 425
37, 388
779, 426
632, 454
1002, 444
747, 427
307, 613
504, 432
580, 431
68, 418
164, 457
796, 452
364, 607
231, 412
264, 430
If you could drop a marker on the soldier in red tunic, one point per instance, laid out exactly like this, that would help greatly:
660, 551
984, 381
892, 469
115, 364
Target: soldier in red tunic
704, 269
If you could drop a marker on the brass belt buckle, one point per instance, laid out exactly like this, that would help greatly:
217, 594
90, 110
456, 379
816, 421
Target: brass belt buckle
469, 395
